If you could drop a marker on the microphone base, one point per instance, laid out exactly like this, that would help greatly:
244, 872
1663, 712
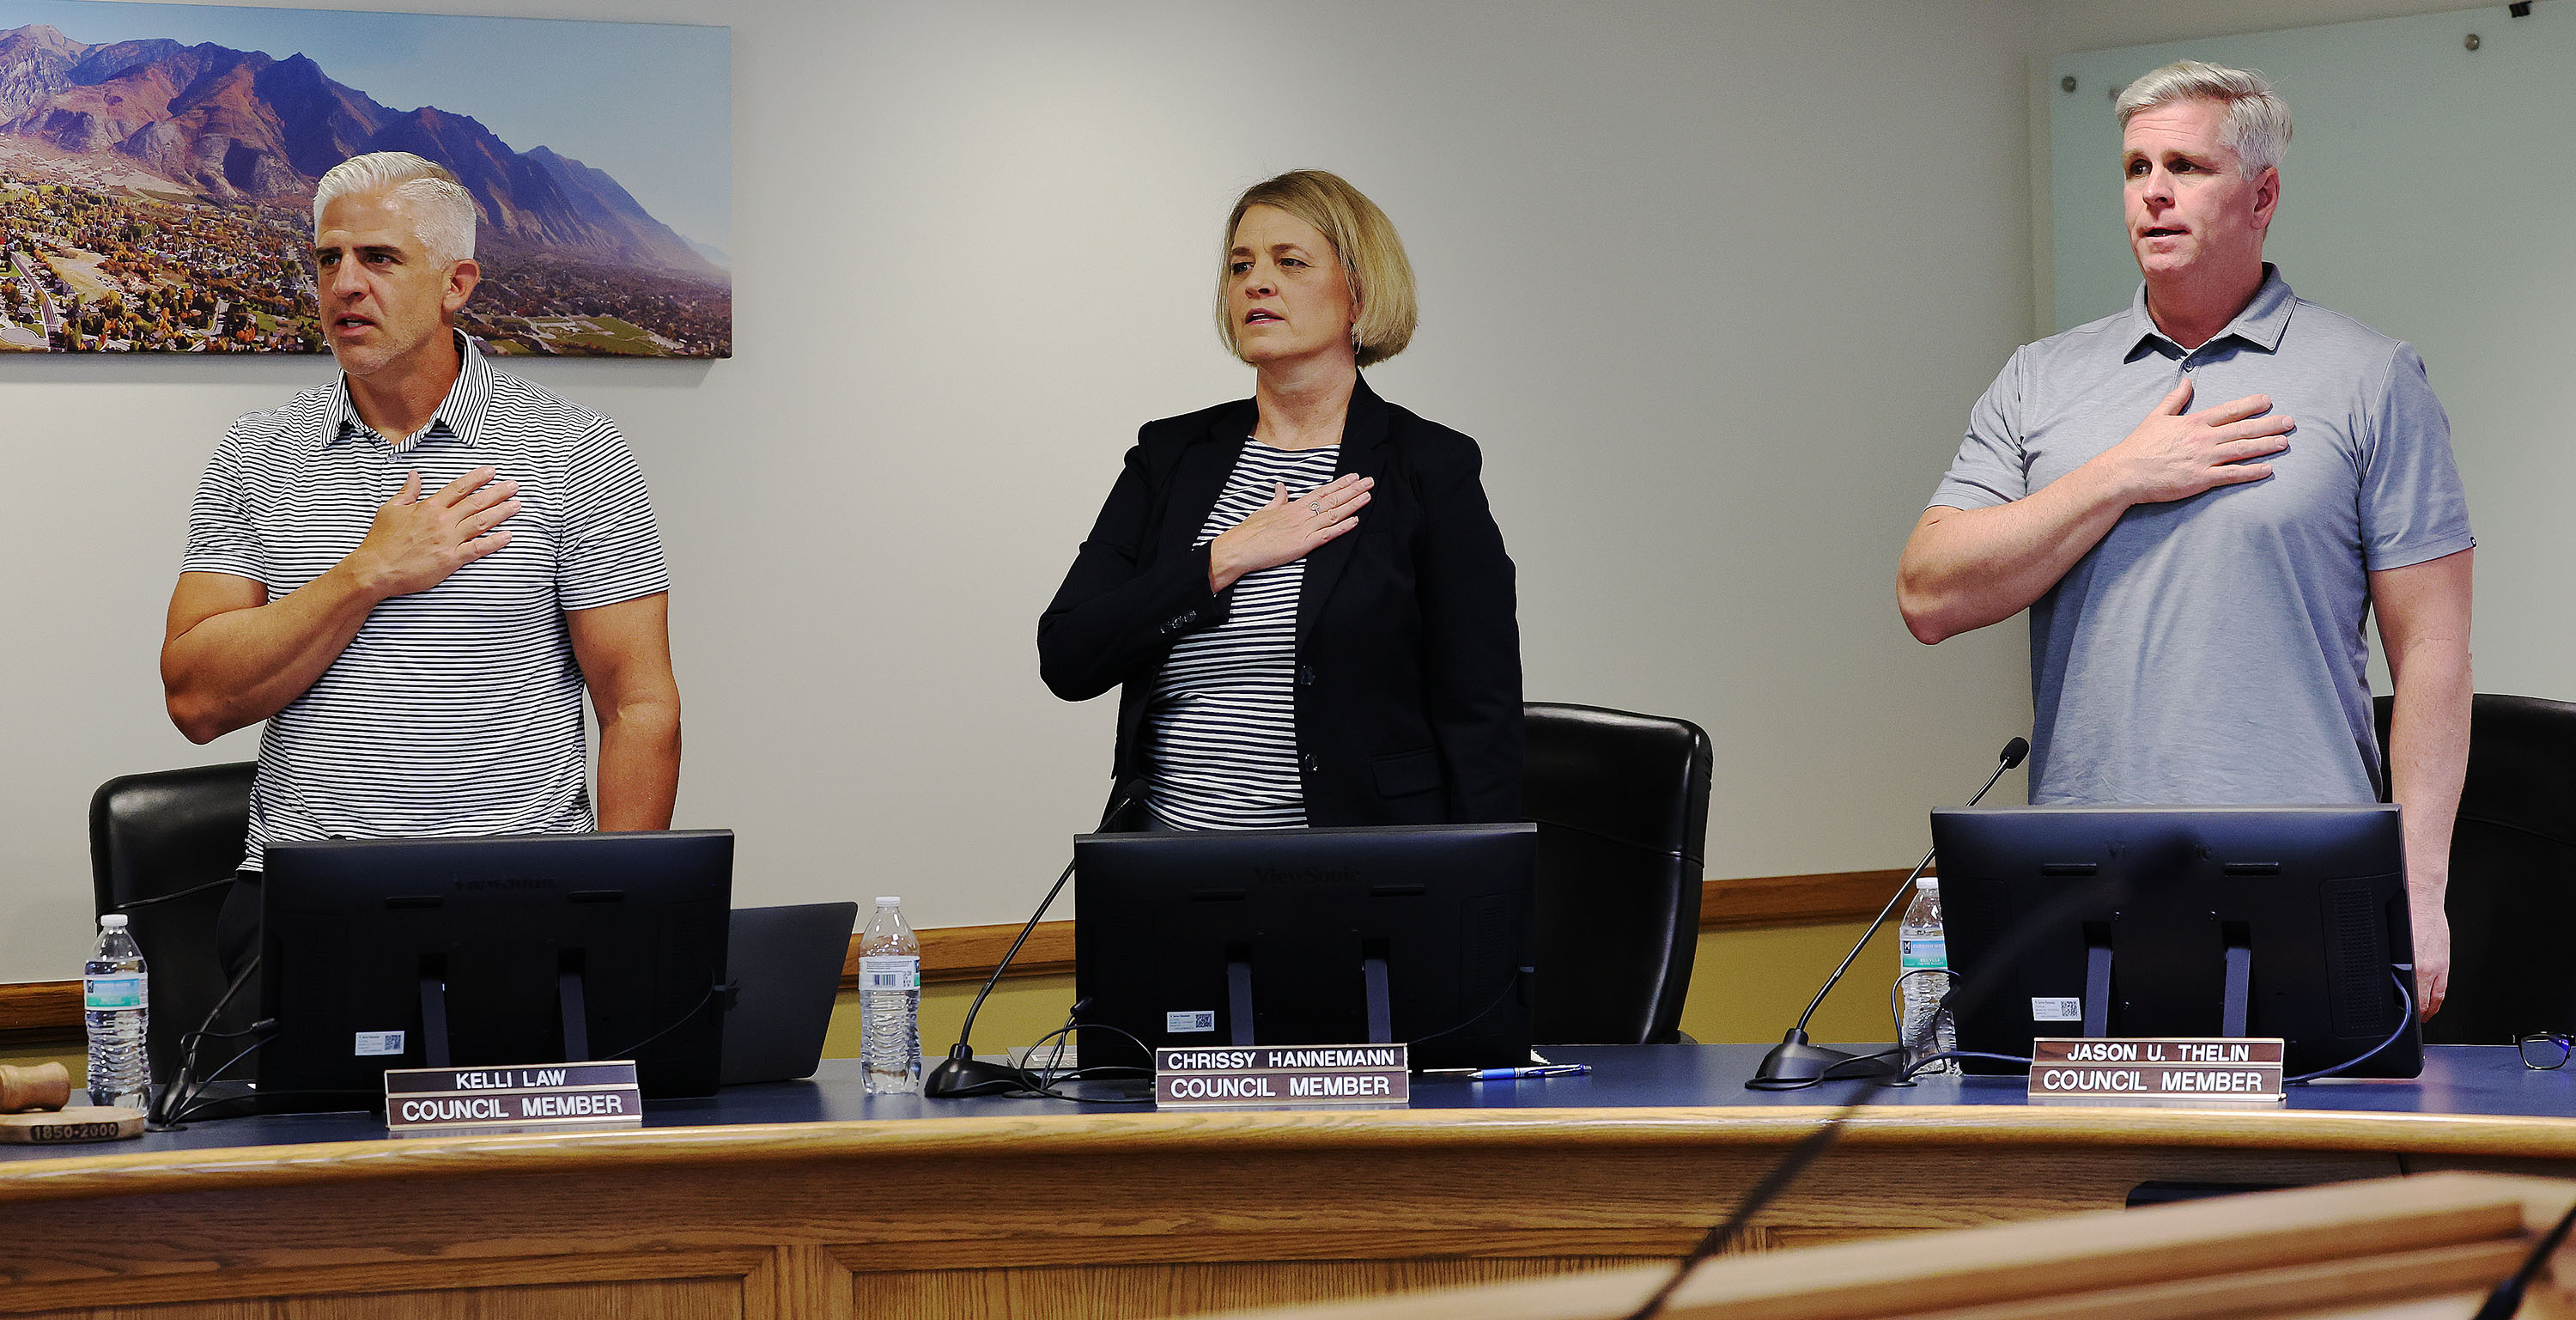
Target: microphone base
955, 1077
1794, 1063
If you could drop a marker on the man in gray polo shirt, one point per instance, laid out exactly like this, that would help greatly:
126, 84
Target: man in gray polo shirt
2198, 580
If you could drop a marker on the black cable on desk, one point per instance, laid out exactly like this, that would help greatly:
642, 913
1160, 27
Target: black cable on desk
1928, 1060
1045, 1083
2405, 1018
360, 1102
726, 989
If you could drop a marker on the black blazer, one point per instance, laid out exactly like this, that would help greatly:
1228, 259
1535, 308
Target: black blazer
1408, 646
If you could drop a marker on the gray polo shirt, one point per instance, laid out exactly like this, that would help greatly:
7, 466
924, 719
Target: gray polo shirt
2210, 650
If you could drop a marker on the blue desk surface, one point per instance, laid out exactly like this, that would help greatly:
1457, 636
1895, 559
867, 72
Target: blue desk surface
2457, 1080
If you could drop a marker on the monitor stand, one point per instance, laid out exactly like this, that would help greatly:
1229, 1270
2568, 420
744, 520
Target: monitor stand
570, 993
433, 1019
1238, 1001
2097, 987
1381, 1015
2236, 996
576, 1017
2232, 1013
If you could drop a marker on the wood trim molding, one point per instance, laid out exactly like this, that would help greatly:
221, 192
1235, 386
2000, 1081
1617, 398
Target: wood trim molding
968, 953
40, 1012
33, 1012
1795, 900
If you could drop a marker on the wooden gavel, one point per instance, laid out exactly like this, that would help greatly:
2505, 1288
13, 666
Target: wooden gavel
45, 1086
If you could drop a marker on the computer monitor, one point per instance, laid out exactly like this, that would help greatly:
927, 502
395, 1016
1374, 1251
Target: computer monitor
1418, 934
2213, 921
548, 948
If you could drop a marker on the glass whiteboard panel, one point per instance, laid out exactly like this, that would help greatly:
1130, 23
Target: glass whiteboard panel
2429, 190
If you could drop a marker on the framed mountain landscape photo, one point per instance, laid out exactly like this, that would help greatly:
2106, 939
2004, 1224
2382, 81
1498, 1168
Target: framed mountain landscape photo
158, 163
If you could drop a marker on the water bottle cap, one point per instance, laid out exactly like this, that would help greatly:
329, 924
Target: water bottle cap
1928, 883
112, 921
883, 901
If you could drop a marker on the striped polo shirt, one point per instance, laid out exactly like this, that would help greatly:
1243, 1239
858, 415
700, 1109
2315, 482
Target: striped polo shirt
1224, 710
456, 710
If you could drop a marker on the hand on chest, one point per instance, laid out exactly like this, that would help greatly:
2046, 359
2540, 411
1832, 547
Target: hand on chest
2313, 492
331, 507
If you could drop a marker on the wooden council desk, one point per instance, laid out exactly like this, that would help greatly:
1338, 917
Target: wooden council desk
810, 1200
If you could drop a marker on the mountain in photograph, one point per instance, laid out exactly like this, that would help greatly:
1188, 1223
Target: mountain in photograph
240, 126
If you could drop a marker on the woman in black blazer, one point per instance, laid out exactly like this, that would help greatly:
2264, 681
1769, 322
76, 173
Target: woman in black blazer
1301, 636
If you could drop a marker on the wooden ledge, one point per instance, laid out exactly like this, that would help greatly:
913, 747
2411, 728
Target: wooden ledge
48, 1012
968, 953
1238, 1133
40, 1012
1795, 900
2429, 1245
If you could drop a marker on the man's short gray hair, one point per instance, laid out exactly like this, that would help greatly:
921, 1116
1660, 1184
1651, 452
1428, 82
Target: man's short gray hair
2257, 127
442, 210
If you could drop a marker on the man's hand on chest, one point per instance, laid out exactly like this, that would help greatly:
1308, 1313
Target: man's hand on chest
2174, 455
416, 541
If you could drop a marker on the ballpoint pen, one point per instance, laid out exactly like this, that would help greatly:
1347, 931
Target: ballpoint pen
1516, 1074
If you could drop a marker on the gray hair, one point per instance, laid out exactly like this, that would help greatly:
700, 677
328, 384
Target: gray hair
442, 211
2257, 127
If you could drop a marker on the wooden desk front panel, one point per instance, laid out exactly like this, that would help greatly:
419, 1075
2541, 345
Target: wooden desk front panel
1069, 1217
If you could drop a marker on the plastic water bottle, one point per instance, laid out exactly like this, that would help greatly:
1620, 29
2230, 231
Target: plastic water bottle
1923, 963
890, 1002
115, 999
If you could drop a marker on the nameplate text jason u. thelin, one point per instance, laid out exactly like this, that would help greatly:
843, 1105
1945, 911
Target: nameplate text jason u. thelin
2165, 1071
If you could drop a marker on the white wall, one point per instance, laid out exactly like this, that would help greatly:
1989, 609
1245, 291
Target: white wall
1713, 284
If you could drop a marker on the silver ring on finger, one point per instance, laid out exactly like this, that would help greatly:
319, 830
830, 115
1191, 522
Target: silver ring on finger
1315, 505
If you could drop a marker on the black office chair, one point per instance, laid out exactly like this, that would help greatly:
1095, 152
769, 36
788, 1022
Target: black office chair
1621, 802
172, 832
2513, 874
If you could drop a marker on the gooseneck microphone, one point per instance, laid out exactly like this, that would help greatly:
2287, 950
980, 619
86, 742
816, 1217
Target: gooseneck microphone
1794, 1062
2159, 857
961, 1073
2506, 1301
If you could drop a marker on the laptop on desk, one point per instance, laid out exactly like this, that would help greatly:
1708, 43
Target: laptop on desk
787, 964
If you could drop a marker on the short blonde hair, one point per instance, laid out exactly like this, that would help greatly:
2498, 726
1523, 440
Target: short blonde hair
2257, 127
442, 211
1361, 235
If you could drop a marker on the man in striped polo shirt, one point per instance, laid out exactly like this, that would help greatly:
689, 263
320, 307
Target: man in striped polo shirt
413, 573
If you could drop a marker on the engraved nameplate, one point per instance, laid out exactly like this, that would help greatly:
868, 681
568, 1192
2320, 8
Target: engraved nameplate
2191, 1070
1285, 1076
520, 1098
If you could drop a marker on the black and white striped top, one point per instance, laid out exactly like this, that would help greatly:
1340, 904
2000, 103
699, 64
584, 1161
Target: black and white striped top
455, 710
1224, 716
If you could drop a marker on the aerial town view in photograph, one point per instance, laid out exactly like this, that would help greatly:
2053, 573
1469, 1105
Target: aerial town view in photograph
156, 195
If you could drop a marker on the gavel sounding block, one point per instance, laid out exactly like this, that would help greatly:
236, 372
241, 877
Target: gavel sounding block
80, 1123
45, 1086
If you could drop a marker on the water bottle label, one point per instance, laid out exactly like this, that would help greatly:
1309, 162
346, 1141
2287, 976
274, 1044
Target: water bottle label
890, 973
1920, 951
102, 994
